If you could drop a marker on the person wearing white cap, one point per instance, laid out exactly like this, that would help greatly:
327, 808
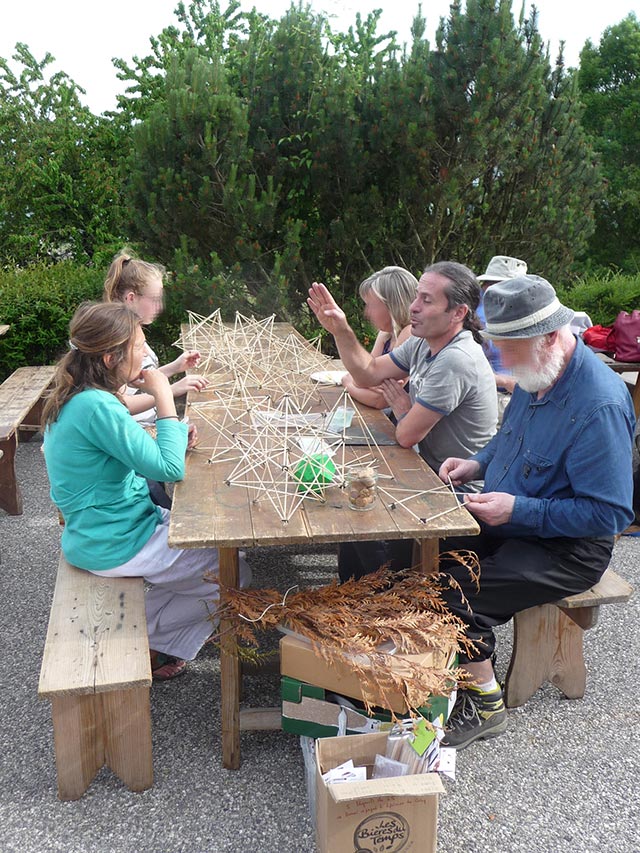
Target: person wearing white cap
557, 486
499, 268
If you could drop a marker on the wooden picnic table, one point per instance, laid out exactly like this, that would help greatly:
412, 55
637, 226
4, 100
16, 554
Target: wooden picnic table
207, 512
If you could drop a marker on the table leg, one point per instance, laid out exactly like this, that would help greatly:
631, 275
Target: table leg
230, 678
428, 555
635, 396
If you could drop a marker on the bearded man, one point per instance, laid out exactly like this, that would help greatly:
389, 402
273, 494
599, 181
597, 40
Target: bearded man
557, 486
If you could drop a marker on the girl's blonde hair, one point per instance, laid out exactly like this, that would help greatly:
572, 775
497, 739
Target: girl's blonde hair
97, 328
129, 275
396, 287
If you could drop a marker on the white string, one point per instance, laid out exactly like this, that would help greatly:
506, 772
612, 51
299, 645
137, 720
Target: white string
275, 604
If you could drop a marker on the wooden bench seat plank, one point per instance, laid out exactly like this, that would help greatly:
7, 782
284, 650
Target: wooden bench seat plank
548, 641
610, 589
21, 402
19, 393
110, 611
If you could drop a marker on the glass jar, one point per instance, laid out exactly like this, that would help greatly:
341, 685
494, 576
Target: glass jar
362, 488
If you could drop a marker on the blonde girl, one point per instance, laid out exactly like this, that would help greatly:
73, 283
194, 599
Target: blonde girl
139, 285
95, 452
387, 295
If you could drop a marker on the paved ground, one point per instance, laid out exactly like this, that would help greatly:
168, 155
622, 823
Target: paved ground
562, 780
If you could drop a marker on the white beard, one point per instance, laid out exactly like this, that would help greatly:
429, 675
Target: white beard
542, 373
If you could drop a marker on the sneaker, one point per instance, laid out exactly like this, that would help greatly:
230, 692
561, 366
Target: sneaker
475, 716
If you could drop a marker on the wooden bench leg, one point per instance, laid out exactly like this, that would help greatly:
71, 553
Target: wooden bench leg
77, 734
31, 424
98, 728
547, 646
230, 674
127, 728
10, 496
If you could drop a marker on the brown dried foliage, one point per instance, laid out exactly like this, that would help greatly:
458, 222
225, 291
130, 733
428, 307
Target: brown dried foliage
353, 619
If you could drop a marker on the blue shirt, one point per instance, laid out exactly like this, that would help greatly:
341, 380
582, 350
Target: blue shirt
567, 456
490, 349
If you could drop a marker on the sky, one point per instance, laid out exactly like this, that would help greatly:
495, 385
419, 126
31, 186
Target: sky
85, 36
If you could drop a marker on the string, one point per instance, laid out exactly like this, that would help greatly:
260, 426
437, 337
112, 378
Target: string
275, 604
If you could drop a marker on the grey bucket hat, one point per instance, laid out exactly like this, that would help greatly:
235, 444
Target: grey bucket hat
501, 267
523, 307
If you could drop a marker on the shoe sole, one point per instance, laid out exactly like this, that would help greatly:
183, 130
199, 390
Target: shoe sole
500, 729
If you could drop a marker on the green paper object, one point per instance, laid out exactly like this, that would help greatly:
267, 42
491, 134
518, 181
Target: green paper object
314, 472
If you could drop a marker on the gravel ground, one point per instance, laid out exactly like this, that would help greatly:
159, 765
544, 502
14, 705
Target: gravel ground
563, 778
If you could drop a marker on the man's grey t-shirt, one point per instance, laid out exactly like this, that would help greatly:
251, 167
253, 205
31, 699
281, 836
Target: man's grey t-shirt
458, 383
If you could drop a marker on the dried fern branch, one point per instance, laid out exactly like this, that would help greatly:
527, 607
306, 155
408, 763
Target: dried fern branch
348, 623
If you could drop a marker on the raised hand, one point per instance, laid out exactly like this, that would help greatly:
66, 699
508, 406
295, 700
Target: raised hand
152, 381
326, 309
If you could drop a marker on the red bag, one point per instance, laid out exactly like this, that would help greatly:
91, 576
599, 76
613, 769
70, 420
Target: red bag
627, 331
600, 338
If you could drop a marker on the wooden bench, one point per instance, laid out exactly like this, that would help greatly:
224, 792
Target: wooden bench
20, 410
97, 673
548, 641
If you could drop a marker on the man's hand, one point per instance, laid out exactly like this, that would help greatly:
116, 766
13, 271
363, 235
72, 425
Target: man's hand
459, 470
396, 397
493, 508
326, 309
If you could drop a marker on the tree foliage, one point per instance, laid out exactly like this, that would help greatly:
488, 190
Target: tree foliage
59, 187
279, 151
609, 81
254, 155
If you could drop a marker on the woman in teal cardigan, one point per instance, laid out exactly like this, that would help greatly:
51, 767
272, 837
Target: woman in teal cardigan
98, 457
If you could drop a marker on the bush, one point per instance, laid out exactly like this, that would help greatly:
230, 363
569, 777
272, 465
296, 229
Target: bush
603, 296
38, 302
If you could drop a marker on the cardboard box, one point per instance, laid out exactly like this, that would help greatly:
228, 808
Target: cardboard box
397, 814
307, 711
298, 660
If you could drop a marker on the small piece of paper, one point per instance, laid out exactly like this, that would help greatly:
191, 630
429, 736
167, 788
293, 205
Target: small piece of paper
446, 763
422, 738
345, 773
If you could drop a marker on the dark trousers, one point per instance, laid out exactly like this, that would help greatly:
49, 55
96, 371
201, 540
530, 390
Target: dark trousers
158, 494
516, 574
356, 559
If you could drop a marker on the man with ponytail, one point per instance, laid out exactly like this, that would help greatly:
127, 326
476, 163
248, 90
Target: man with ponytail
452, 398
97, 457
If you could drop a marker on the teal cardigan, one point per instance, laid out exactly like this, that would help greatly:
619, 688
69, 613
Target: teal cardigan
97, 457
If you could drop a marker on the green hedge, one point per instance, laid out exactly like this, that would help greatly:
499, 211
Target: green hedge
38, 303
604, 296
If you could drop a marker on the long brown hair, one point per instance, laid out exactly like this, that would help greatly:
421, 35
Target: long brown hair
129, 275
97, 328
